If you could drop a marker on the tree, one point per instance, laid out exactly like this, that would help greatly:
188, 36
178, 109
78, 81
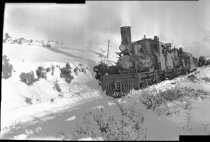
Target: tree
7, 36
6, 68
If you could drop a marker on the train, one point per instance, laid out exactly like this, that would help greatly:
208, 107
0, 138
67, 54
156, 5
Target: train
142, 63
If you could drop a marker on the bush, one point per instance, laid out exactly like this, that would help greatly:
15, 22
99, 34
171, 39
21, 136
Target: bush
7, 36
60, 95
27, 78
83, 70
207, 79
201, 61
69, 78
6, 68
57, 86
48, 45
68, 66
76, 70
40, 72
52, 100
48, 69
66, 73
192, 78
80, 68
53, 68
28, 100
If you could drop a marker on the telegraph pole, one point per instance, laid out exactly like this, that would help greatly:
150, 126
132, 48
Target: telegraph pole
108, 49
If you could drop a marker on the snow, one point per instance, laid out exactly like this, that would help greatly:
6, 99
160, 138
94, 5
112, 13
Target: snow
58, 120
14, 91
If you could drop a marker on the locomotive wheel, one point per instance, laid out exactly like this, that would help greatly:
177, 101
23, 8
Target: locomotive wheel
123, 94
116, 94
109, 91
124, 90
141, 85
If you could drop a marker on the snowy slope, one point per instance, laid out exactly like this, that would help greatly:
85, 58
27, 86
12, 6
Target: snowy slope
188, 114
25, 58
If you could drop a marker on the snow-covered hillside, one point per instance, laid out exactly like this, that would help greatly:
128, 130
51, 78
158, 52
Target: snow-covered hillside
25, 58
82, 111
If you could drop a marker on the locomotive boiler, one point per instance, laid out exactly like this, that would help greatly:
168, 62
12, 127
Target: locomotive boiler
142, 63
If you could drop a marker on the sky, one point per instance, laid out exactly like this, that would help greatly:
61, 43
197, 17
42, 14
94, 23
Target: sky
183, 23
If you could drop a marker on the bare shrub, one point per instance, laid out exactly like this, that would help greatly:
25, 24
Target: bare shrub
6, 68
152, 101
172, 94
97, 123
27, 78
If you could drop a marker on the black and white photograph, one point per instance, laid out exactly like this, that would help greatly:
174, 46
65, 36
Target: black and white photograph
105, 70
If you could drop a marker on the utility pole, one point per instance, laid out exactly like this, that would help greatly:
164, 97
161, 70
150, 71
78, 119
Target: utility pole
108, 49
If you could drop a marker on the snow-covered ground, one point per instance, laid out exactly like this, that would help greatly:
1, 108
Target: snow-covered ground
25, 58
84, 101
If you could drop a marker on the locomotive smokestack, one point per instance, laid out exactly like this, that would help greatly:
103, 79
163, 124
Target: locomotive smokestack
125, 35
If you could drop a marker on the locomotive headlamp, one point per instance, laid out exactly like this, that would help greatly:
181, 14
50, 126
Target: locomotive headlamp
122, 47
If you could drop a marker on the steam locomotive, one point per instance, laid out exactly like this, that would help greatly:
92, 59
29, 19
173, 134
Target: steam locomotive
142, 63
